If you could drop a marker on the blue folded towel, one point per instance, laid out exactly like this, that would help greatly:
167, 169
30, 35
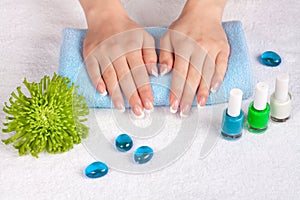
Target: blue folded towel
238, 75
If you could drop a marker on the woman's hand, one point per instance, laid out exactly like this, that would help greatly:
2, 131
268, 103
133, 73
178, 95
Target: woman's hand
196, 47
118, 54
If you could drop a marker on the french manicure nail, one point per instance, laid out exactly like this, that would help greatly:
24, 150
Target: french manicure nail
199, 106
215, 87
185, 111
174, 106
102, 90
201, 102
148, 106
103, 93
138, 111
120, 107
154, 70
163, 70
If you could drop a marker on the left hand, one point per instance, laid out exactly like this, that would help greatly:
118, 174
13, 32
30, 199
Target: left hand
196, 47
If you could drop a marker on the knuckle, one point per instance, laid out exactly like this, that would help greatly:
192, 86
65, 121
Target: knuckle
165, 40
149, 39
226, 48
191, 85
180, 70
201, 42
150, 58
203, 89
101, 49
134, 58
133, 99
115, 50
87, 49
223, 59
109, 73
122, 72
182, 43
133, 45
194, 75
213, 44
144, 90
223, 44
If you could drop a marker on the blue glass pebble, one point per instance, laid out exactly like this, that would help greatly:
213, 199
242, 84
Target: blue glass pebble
270, 58
143, 154
96, 170
124, 142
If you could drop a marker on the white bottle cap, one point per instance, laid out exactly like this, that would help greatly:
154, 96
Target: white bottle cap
235, 102
261, 96
282, 87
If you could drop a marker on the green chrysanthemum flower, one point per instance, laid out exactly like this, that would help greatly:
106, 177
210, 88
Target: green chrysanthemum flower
51, 118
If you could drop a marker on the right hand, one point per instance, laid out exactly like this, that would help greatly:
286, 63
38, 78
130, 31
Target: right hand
118, 54
198, 53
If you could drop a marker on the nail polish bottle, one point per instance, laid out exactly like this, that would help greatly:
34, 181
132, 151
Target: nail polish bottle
280, 101
233, 116
259, 109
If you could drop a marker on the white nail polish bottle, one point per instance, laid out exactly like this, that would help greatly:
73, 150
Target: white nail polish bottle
280, 101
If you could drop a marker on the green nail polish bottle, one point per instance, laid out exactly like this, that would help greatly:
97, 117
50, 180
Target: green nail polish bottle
259, 110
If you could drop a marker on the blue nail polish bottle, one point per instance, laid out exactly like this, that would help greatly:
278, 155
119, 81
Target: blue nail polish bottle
233, 116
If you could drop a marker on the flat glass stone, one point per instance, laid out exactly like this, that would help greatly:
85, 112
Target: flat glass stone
143, 154
124, 142
96, 170
270, 58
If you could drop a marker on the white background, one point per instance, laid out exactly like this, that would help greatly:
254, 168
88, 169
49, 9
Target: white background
256, 167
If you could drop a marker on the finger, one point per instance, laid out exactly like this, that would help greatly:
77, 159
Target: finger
127, 85
141, 79
207, 74
178, 81
149, 55
220, 69
198, 58
93, 69
122, 43
166, 56
87, 46
111, 81
203, 92
190, 88
150, 59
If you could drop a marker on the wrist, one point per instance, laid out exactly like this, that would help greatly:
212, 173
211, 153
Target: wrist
204, 9
97, 11
218, 4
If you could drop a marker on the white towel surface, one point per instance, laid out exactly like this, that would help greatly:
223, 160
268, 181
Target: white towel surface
263, 166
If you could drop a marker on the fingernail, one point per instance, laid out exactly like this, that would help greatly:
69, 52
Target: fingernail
185, 111
103, 93
102, 90
148, 106
215, 87
138, 111
163, 70
120, 106
201, 102
174, 106
199, 106
154, 70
